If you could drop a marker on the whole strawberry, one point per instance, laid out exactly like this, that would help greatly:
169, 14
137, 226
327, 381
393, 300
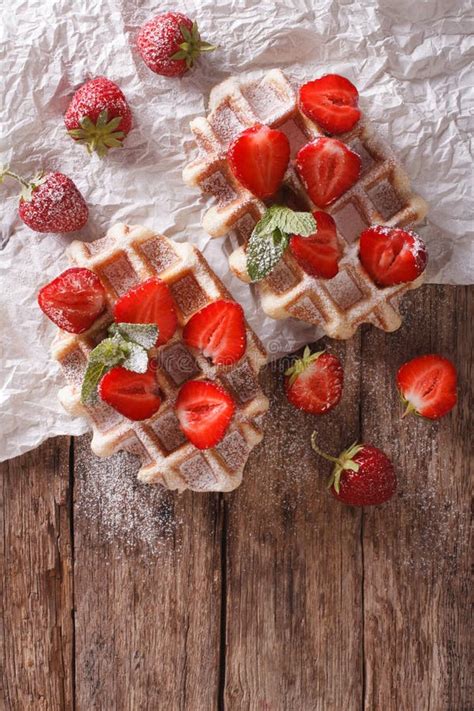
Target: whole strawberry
362, 476
50, 202
99, 116
170, 43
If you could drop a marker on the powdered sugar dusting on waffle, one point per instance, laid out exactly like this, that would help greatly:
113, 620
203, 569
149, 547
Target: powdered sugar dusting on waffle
166, 456
381, 196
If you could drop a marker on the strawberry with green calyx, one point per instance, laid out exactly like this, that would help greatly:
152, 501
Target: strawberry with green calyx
314, 382
428, 386
362, 476
271, 235
170, 43
49, 202
127, 345
99, 116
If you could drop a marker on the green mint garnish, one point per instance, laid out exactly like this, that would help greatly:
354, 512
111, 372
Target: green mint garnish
127, 345
270, 238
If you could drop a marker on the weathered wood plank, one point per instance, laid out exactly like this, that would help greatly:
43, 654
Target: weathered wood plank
36, 581
147, 591
416, 549
294, 626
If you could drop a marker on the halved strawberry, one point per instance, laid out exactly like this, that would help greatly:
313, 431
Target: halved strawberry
327, 168
318, 254
428, 386
314, 382
73, 300
134, 395
218, 330
259, 158
391, 255
331, 101
149, 302
204, 411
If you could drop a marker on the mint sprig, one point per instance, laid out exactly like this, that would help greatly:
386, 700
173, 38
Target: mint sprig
127, 345
270, 238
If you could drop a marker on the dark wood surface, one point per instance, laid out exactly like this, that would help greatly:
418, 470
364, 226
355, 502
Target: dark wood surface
276, 597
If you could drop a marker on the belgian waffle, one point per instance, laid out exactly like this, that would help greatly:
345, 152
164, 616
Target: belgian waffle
382, 195
123, 258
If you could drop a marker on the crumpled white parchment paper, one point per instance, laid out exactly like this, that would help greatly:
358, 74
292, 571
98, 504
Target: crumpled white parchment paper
410, 62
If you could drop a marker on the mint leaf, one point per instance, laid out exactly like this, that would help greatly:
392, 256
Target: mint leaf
143, 334
110, 351
264, 251
286, 220
92, 377
137, 359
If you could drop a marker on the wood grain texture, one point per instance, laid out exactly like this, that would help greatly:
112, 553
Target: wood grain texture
294, 565
147, 618
273, 598
417, 588
36, 580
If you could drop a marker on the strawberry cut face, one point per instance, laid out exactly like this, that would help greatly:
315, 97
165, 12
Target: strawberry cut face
74, 300
428, 385
314, 382
258, 158
327, 168
319, 254
204, 412
218, 330
391, 255
332, 102
149, 302
134, 395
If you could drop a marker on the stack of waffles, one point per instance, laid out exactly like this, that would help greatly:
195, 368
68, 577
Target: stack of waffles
382, 195
125, 257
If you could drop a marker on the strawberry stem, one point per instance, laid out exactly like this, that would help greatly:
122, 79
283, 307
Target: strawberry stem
6, 172
409, 409
320, 452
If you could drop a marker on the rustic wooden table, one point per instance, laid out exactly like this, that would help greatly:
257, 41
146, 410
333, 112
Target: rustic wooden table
275, 597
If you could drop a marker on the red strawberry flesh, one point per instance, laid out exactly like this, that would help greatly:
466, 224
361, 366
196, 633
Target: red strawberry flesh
134, 395
392, 255
327, 168
204, 412
332, 102
319, 254
149, 302
314, 383
73, 300
218, 330
428, 384
259, 159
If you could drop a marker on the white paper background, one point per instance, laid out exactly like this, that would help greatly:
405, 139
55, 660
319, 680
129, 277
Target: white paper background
409, 60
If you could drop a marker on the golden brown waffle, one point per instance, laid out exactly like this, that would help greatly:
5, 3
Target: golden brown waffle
122, 259
381, 196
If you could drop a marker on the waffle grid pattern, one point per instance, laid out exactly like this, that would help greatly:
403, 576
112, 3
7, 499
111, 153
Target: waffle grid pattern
382, 195
125, 257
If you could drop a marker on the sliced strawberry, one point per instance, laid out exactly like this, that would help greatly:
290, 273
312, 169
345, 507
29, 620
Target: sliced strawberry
259, 158
204, 411
134, 395
327, 168
428, 386
149, 302
314, 382
392, 255
218, 330
331, 101
318, 254
73, 300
